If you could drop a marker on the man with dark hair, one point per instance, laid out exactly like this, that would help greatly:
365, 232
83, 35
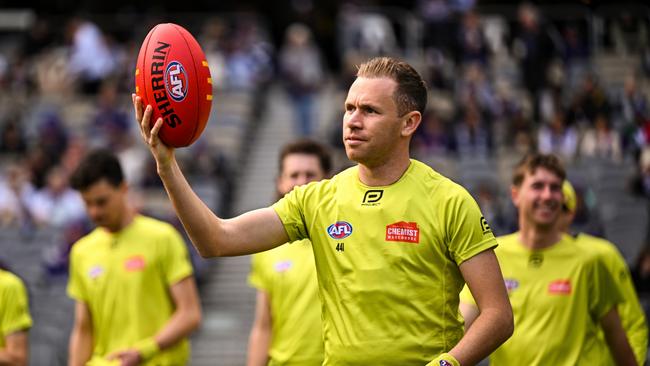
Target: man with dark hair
136, 300
393, 240
561, 292
287, 326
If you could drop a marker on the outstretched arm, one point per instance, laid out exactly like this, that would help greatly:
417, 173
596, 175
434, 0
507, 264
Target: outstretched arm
494, 323
251, 232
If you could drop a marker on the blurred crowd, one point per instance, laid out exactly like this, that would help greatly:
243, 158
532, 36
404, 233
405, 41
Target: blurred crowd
503, 81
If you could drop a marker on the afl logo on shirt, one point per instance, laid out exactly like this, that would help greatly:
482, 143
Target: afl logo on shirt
176, 81
511, 284
339, 230
95, 271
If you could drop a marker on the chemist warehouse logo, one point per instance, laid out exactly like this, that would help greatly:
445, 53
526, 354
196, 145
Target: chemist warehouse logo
176, 81
339, 230
407, 232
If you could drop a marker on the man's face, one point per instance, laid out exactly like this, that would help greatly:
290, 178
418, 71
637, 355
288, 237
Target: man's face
105, 204
539, 198
298, 169
371, 124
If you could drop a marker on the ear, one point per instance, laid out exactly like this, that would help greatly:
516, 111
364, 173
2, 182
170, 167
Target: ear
410, 123
514, 195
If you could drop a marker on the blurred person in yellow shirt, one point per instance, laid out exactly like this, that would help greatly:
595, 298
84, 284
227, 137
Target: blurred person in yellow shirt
630, 310
287, 329
560, 291
131, 278
15, 320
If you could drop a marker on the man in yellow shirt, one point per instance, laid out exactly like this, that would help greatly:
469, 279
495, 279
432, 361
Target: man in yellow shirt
136, 300
287, 326
560, 291
630, 310
393, 240
15, 320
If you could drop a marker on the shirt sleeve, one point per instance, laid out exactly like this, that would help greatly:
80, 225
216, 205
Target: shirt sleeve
468, 233
15, 315
75, 286
290, 210
176, 262
605, 292
257, 278
631, 312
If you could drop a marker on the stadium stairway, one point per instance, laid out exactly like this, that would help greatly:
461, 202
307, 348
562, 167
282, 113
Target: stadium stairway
228, 302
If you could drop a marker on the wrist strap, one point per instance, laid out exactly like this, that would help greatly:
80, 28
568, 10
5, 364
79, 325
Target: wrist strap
444, 359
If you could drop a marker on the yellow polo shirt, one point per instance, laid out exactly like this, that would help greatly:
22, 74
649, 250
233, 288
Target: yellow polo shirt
288, 275
14, 306
124, 278
387, 261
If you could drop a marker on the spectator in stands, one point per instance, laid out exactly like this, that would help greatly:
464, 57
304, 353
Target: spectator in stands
573, 291
90, 60
630, 310
535, 49
287, 325
56, 205
520, 136
633, 110
303, 74
363, 224
601, 141
575, 54
471, 43
591, 100
475, 88
472, 133
12, 139
136, 300
557, 137
433, 138
438, 23
16, 192
15, 320
629, 32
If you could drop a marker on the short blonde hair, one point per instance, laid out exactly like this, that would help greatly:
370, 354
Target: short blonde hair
411, 92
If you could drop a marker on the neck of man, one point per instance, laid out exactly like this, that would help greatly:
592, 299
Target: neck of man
385, 173
538, 237
126, 219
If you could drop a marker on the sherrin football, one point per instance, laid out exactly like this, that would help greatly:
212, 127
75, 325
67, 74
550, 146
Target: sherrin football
172, 76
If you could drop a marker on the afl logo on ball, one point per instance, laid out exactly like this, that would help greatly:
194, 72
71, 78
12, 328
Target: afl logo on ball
176, 81
339, 230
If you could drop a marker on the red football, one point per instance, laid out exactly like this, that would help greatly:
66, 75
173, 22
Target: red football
172, 75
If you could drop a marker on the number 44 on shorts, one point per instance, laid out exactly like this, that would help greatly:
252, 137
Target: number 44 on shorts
340, 247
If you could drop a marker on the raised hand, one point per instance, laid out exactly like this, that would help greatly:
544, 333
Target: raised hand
162, 153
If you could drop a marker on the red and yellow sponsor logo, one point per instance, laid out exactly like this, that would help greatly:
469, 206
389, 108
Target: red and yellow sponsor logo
134, 263
560, 287
403, 231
